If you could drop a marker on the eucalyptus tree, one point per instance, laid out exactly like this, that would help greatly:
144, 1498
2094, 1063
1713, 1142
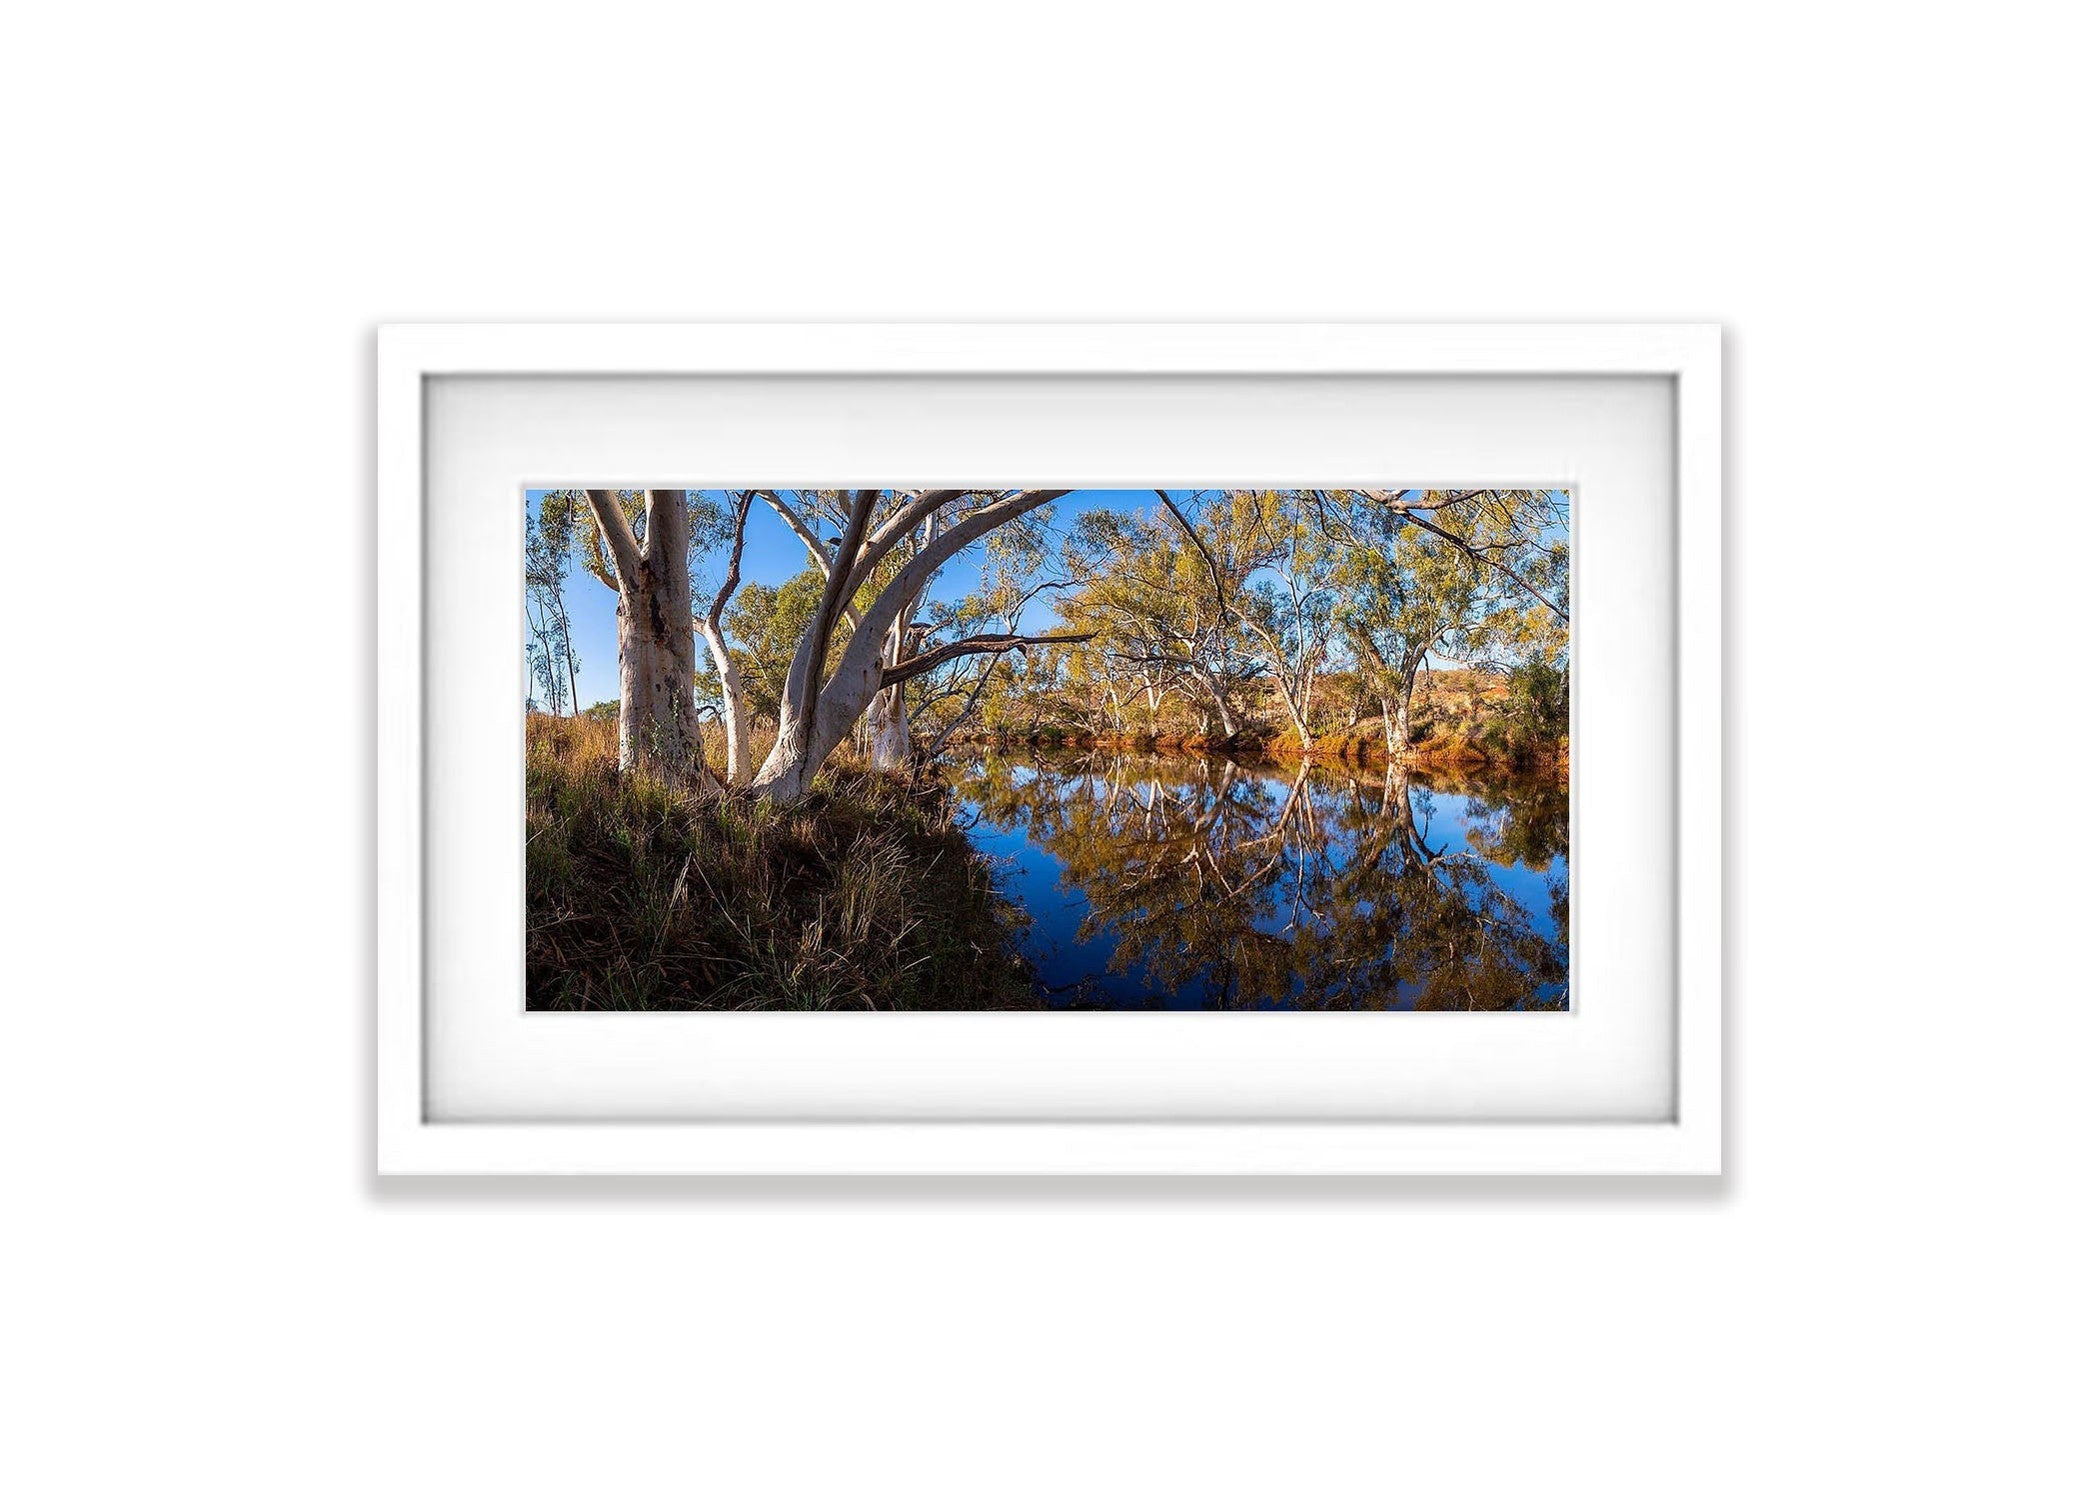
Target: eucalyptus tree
1477, 575
884, 553
651, 569
1163, 596
888, 718
643, 545
764, 623
1287, 607
1492, 563
724, 526
825, 696
1519, 626
1401, 596
551, 651
1516, 535
1014, 569
637, 543
1262, 564
808, 513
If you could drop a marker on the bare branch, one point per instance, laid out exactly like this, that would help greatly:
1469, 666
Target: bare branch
983, 679
800, 527
974, 645
1396, 500
735, 573
1481, 556
899, 525
1484, 560
818, 552
1216, 574
907, 585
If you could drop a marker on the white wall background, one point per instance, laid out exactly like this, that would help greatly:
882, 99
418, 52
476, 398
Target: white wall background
208, 207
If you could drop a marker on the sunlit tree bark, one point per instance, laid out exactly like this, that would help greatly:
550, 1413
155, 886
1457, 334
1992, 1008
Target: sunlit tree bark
658, 720
735, 703
818, 708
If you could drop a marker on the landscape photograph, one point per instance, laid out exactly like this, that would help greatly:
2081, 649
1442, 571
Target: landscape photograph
1027, 749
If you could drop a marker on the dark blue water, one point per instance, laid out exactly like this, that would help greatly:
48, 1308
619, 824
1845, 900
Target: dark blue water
1177, 882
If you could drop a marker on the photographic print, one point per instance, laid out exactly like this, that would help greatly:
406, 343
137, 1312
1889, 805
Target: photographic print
982, 749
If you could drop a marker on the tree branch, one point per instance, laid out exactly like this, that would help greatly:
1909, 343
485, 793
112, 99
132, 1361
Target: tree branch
1409, 513
618, 535
919, 571
1216, 575
1396, 500
817, 642
969, 707
709, 625
1491, 562
818, 552
800, 527
893, 530
974, 645
735, 574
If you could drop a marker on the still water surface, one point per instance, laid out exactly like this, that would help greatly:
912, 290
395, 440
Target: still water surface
1183, 882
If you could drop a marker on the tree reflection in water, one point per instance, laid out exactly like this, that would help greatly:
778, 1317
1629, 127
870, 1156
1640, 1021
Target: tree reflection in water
1189, 882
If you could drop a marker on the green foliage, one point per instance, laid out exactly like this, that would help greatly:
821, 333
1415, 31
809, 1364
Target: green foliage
767, 623
1264, 608
550, 652
565, 517
1537, 705
1163, 619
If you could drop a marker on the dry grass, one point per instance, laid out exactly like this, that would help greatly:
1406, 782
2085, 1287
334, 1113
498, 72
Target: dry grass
643, 896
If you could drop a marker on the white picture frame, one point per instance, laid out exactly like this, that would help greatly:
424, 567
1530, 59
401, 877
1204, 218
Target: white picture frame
1684, 1139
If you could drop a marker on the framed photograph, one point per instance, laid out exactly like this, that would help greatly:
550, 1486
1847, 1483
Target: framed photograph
1117, 749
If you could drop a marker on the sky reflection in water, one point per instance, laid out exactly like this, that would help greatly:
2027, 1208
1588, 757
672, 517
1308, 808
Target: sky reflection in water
1177, 882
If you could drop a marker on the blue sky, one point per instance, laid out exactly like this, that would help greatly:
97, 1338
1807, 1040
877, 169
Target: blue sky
772, 554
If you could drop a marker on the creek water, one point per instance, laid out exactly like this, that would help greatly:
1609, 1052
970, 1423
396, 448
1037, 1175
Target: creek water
1192, 882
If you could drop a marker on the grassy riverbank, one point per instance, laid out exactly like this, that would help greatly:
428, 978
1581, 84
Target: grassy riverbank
639, 896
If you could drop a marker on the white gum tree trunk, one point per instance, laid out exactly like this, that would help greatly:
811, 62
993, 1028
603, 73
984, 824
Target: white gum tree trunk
659, 724
1395, 689
889, 717
818, 712
736, 707
888, 736
1395, 730
1221, 702
888, 727
1292, 682
1296, 716
1403, 730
